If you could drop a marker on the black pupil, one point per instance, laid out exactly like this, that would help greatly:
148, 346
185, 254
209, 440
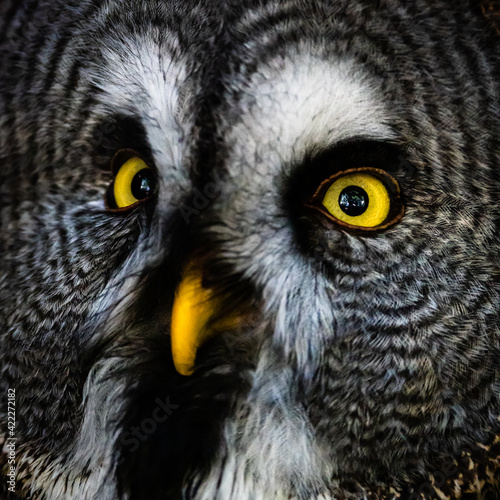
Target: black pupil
143, 184
353, 201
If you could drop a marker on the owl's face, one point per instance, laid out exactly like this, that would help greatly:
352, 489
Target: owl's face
250, 251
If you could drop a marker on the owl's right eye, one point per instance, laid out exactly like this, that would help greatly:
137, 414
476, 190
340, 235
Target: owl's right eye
135, 182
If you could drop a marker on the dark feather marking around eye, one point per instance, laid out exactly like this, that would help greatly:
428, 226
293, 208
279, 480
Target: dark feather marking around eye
118, 132
352, 153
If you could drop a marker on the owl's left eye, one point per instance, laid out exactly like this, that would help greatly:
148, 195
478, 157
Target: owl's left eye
134, 183
362, 199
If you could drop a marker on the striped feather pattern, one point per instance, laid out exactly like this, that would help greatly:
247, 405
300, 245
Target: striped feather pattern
365, 365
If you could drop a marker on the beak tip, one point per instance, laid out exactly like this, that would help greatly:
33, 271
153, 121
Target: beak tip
184, 369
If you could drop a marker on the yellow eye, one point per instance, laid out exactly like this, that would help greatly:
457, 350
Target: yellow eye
360, 199
134, 182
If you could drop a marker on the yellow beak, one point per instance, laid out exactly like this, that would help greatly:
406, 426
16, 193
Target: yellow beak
193, 308
191, 311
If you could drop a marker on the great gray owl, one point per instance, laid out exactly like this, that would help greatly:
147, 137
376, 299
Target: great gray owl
249, 249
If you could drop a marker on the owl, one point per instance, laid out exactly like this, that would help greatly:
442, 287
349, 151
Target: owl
249, 250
